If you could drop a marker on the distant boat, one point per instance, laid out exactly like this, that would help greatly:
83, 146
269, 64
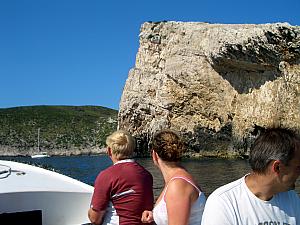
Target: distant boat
39, 196
39, 154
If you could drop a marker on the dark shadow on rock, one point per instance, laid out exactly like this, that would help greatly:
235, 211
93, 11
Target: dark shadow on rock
142, 146
244, 144
250, 65
245, 77
204, 139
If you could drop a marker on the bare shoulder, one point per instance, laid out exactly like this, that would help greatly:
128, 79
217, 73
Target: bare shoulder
181, 187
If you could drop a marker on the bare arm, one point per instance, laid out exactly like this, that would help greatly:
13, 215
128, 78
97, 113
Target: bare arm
95, 216
179, 198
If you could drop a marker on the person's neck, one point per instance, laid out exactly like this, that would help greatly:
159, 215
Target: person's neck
116, 160
260, 185
170, 169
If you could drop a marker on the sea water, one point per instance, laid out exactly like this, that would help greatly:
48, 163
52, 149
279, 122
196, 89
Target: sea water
210, 173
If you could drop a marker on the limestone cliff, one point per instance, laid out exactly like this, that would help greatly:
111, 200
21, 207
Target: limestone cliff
216, 84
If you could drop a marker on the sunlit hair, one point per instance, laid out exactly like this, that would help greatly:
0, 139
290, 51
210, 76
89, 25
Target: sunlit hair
273, 144
168, 145
121, 143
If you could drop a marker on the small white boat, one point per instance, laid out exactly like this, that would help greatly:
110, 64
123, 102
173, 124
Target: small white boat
40, 196
40, 155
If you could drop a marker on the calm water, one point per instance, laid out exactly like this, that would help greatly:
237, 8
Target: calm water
209, 173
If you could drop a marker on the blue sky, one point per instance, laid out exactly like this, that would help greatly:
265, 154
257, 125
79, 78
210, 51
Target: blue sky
79, 52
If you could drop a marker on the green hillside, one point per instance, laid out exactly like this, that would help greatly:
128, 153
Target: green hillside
61, 127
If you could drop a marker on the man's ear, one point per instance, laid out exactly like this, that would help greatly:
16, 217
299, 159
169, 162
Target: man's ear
276, 166
109, 151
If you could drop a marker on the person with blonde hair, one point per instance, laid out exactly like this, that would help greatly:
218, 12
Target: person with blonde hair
181, 201
124, 190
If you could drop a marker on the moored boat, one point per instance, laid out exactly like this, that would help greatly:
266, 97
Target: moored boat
40, 155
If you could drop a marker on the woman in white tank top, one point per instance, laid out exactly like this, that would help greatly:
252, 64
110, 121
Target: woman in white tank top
181, 202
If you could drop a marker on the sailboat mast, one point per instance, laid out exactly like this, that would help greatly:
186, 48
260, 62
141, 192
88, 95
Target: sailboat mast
38, 148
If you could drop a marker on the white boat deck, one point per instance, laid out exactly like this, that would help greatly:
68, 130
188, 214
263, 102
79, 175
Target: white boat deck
22, 178
61, 199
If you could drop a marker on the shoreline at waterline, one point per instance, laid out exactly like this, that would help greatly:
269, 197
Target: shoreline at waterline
14, 152
63, 152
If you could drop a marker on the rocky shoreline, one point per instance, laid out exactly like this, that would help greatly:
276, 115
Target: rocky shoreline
216, 154
11, 151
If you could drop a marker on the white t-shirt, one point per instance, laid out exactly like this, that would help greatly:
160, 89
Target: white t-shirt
235, 204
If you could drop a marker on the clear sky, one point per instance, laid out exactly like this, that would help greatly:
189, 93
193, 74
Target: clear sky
79, 52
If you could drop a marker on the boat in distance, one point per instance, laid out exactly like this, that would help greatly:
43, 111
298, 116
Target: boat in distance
40, 155
33, 195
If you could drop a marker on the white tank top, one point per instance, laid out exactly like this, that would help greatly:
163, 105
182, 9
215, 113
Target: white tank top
160, 210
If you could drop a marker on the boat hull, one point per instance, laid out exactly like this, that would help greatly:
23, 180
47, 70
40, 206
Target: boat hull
60, 199
56, 207
38, 156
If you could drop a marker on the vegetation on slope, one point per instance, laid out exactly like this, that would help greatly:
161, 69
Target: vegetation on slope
61, 127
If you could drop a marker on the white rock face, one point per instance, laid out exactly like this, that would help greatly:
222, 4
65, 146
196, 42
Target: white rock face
216, 84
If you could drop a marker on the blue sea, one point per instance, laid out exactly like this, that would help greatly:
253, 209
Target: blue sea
210, 173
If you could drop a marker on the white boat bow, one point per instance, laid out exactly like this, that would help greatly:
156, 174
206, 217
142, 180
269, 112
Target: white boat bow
61, 200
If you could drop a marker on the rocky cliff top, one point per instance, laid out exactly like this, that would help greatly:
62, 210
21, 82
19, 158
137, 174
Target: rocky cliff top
217, 84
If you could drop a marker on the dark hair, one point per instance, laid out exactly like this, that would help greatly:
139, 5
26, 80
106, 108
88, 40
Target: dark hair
168, 145
273, 144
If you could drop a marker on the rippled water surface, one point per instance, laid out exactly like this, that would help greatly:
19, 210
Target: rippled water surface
209, 173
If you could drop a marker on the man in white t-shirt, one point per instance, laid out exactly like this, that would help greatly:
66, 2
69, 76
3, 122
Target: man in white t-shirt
265, 196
